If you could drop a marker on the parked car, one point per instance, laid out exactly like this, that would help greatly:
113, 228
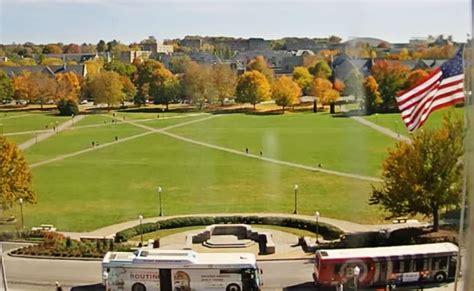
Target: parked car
44, 227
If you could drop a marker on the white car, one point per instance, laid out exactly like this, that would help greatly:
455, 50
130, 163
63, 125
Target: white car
84, 101
44, 227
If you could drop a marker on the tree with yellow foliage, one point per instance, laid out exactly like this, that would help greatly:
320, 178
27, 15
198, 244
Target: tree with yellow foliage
415, 77
259, 64
285, 92
252, 87
15, 176
303, 78
68, 86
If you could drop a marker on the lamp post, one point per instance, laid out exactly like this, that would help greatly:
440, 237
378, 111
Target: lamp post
296, 199
159, 195
140, 217
396, 128
356, 276
21, 212
317, 226
72, 119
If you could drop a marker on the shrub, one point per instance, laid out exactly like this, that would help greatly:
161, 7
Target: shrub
67, 107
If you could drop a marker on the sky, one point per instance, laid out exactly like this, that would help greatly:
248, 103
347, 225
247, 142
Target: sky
78, 21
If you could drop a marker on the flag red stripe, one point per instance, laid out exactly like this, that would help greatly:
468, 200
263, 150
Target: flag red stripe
416, 94
439, 106
414, 118
423, 82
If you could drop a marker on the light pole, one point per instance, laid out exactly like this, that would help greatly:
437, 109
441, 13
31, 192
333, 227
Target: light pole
140, 217
72, 119
159, 195
317, 226
396, 128
21, 212
356, 276
296, 199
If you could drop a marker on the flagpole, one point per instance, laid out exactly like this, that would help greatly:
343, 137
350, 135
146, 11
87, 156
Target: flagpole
465, 170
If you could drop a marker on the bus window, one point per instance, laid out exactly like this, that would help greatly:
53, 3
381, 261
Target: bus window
420, 265
438, 263
406, 266
396, 266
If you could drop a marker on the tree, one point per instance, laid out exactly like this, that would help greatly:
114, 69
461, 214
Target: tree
52, 49
165, 90
372, 99
121, 68
259, 64
129, 88
68, 86
321, 70
72, 48
101, 46
94, 66
52, 62
197, 83
339, 86
303, 78
6, 87
252, 87
285, 92
42, 87
415, 77
224, 80
67, 107
354, 85
178, 63
323, 89
27, 62
106, 87
424, 175
391, 77
404, 54
15, 176
334, 39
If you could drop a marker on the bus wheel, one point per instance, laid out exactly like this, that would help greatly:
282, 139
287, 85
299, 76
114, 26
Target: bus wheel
440, 277
232, 287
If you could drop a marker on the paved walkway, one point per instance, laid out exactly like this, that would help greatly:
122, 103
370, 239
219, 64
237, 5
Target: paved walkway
62, 157
46, 135
380, 129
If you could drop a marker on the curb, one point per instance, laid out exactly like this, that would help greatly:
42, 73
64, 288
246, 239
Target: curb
53, 258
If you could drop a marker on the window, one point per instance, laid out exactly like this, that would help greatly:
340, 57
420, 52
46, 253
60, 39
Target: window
396, 267
406, 266
420, 265
439, 263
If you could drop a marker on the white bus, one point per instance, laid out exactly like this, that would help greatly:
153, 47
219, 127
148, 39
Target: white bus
169, 270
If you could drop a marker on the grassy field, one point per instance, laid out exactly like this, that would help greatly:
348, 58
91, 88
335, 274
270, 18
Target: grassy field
119, 182
394, 122
310, 139
29, 121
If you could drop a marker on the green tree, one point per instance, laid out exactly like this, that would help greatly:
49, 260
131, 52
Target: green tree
178, 63
259, 64
101, 46
224, 80
354, 85
15, 176
121, 68
252, 87
285, 92
6, 87
425, 175
106, 87
303, 78
166, 90
129, 88
67, 107
321, 70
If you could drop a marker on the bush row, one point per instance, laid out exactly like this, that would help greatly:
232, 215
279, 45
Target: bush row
21, 235
326, 230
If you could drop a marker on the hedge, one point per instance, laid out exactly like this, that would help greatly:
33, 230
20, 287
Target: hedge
326, 230
21, 235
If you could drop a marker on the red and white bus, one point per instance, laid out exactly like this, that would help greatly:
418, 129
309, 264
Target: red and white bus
169, 270
382, 265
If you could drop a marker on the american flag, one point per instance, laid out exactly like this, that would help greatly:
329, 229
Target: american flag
443, 87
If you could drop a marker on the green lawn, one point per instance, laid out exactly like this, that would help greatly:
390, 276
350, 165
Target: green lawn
394, 121
93, 119
118, 183
165, 122
31, 121
337, 143
72, 140
21, 138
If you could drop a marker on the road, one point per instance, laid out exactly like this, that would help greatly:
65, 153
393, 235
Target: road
41, 274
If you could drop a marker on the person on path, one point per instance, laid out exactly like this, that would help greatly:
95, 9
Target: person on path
93, 143
246, 150
261, 153
116, 138
58, 286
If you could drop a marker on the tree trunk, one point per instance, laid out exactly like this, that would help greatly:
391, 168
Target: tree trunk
435, 213
166, 106
332, 108
283, 109
41, 102
254, 106
315, 106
